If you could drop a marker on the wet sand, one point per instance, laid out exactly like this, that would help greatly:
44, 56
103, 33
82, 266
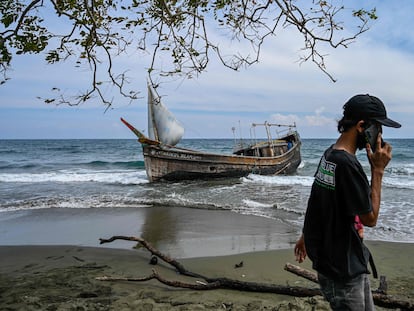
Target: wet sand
62, 277
176, 231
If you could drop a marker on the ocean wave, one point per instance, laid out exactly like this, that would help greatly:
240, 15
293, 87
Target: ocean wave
268, 210
398, 182
70, 203
128, 164
288, 209
107, 201
255, 204
406, 169
258, 208
262, 210
23, 166
79, 175
5, 165
396, 177
180, 200
8, 152
279, 180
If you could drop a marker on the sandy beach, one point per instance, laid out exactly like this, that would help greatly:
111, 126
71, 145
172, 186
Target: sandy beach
63, 277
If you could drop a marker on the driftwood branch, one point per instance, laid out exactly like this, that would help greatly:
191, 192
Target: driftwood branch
309, 275
180, 268
380, 298
156, 276
222, 283
209, 283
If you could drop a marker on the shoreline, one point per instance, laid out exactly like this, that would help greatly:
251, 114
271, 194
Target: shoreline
176, 231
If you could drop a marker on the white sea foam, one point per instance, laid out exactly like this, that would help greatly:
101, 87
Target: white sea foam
280, 180
255, 204
398, 182
72, 202
390, 180
301, 165
68, 176
406, 169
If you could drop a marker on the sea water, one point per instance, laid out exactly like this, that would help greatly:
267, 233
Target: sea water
103, 174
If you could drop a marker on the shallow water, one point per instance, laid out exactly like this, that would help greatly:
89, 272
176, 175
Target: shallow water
110, 174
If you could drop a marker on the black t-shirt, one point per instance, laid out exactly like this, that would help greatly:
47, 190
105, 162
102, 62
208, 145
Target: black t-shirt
339, 192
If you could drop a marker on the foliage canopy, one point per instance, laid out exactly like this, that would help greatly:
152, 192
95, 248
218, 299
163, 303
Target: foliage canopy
93, 33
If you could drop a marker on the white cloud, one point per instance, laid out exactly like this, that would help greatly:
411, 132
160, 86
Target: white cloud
276, 89
318, 120
284, 119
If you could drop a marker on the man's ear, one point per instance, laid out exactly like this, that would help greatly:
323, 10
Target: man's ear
361, 126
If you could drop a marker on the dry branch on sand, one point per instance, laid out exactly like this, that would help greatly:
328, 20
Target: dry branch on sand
380, 296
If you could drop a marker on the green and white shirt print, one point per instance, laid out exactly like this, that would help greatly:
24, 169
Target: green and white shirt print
325, 176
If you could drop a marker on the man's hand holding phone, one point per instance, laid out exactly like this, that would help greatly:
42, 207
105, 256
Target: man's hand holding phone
382, 155
371, 135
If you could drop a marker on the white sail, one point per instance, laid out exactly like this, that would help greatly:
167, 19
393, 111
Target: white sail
162, 125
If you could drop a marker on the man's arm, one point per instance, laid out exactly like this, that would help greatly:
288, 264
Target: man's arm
378, 161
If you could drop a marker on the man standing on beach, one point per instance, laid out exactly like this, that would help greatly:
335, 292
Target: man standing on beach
340, 197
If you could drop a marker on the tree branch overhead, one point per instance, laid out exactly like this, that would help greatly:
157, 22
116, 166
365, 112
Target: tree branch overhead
180, 31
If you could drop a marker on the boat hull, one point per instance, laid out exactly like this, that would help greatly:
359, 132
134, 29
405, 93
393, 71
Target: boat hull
172, 164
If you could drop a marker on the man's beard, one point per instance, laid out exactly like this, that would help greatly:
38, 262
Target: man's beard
361, 141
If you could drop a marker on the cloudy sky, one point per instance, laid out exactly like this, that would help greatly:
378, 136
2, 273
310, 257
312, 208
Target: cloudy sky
277, 90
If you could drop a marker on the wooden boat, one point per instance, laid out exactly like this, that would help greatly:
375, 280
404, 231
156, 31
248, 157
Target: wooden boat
166, 161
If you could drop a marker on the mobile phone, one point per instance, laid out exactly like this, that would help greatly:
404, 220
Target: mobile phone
371, 135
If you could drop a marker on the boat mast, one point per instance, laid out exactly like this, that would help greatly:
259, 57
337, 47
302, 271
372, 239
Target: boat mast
162, 124
152, 126
267, 127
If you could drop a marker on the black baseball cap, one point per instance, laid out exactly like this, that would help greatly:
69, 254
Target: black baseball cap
368, 107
